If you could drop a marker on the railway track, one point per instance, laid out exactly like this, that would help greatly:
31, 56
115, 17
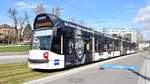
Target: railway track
18, 73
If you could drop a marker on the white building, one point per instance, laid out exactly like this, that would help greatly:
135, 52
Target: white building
124, 33
144, 44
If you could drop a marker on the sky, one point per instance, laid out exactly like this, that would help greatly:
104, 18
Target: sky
133, 14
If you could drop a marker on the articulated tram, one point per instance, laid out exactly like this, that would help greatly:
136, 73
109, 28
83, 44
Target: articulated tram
58, 44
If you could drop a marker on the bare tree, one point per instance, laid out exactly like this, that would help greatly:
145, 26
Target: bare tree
56, 11
22, 21
12, 12
40, 8
27, 32
9, 36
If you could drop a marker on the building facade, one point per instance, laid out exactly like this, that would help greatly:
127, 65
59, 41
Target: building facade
144, 45
124, 33
6, 32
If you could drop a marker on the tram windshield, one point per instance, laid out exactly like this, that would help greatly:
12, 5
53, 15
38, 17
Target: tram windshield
41, 40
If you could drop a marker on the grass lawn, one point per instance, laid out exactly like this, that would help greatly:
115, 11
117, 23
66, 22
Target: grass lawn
18, 73
23, 48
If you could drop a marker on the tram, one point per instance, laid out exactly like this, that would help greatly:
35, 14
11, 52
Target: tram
57, 44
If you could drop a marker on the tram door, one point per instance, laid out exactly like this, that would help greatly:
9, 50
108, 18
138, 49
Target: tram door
121, 48
88, 49
82, 47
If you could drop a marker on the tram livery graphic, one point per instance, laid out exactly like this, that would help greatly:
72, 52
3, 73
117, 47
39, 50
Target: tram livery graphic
58, 44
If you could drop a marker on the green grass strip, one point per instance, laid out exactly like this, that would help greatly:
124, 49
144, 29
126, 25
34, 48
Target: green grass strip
14, 49
18, 73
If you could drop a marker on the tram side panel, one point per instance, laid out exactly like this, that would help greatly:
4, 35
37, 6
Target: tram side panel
102, 48
77, 47
106, 47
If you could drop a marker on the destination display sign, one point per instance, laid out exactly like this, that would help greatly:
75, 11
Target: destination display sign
42, 21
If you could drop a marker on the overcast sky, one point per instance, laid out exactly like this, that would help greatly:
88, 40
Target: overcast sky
98, 13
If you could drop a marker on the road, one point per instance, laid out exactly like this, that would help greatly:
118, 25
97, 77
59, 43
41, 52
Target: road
94, 75
13, 58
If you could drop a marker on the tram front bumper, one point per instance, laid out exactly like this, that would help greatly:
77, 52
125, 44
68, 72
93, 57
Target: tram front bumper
44, 64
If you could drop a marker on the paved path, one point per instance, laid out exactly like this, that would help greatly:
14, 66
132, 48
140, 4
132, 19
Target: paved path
144, 76
91, 74
13, 58
13, 53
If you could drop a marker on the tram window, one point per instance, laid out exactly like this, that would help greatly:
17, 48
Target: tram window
116, 45
116, 48
42, 42
56, 45
68, 46
109, 48
88, 45
56, 42
45, 42
68, 43
96, 45
100, 47
105, 45
105, 48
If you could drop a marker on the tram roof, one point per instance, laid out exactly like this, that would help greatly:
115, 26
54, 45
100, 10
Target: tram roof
55, 19
75, 25
52, 17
